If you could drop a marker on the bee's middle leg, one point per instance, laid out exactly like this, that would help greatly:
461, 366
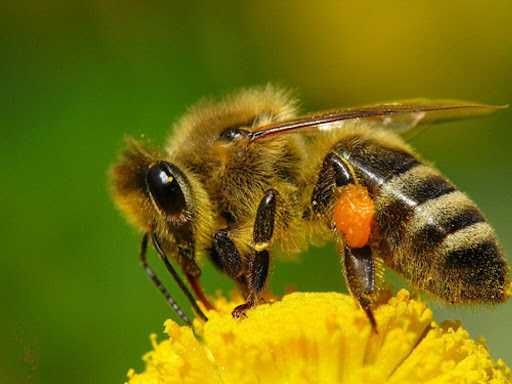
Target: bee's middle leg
250, 272
257, 265
255, 278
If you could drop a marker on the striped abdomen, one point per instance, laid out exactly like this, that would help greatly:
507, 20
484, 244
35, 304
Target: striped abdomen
425, 228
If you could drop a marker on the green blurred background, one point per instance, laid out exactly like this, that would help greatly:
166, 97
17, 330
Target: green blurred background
76, 77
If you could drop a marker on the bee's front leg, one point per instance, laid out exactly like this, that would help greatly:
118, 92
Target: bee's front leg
256, 271
226, 257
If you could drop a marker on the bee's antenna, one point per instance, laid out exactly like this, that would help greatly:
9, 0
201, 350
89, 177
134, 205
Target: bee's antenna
156, 281
180, 283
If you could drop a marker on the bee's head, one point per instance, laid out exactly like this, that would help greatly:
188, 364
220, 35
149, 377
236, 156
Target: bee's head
160, 197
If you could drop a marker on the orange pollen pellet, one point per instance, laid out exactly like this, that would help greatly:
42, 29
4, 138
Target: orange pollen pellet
353, 215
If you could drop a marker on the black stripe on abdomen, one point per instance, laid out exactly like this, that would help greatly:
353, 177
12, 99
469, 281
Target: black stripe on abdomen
402, 196
475, 257
435, 231
480, 269
430, 188
375, 164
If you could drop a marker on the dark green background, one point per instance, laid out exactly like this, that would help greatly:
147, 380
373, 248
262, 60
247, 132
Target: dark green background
75, 78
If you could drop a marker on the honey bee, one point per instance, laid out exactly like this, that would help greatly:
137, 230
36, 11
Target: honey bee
241, 176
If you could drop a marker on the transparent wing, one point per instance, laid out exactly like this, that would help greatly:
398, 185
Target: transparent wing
403, 117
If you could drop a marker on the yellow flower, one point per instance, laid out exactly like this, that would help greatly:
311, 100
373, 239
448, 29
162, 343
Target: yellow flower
321, 338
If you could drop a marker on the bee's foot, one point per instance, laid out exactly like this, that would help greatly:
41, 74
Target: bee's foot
240, 311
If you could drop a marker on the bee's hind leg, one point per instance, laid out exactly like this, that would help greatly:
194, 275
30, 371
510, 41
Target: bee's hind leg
358, 263
359, 269
257, 264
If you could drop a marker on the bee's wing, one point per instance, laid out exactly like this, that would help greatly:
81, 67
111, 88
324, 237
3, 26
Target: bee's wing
402, 117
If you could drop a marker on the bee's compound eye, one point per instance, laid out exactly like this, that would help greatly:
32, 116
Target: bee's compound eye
164, 188
233, 134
